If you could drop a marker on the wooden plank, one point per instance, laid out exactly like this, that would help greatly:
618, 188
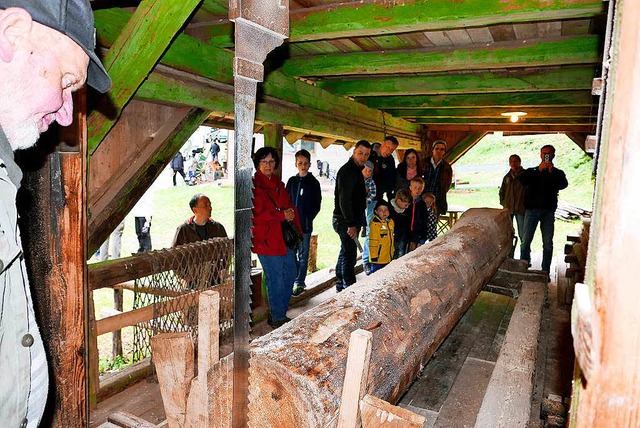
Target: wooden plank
571, 79
529, 53
53, 230
126, 319
153, 25
174, 362
128, 420
518, 127
480, 35
611, 395
502, 33
465, 398
525, 31
377, 413
494, 326
355, 379
375, 17
508, 397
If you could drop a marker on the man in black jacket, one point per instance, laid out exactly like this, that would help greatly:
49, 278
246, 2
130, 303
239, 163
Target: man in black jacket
348, 215
542, 184
304, 192
384, 168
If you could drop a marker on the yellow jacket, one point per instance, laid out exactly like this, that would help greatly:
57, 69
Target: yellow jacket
381, 246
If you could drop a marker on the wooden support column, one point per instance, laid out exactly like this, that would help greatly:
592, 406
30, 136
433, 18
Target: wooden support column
52, 204
611, 396
273, 137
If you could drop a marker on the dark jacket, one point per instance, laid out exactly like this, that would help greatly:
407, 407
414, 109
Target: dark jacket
512, 192
269, 199
401, 176
305, 194
417, 221
400, 222
542, 188
350, 195
187, 233
384, 175
177, 162
438, 183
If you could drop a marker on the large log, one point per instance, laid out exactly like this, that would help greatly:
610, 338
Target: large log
297, 371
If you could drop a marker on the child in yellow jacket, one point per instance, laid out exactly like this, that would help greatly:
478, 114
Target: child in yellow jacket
381, 246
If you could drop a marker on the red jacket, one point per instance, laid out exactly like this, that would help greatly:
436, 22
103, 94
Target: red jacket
269, 194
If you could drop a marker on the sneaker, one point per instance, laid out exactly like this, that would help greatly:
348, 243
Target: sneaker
367, 268
298, 289
339, 287
276, 324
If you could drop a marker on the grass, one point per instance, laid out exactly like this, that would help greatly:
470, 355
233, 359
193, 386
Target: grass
482, 167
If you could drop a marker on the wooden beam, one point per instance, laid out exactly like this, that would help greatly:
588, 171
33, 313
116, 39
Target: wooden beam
53, 212
521, 53
110, 203
495, 112
336, 124
520, 99
538, 80
377, 17
355, 378
153, 25
464, 145
518, 127
273, 137
293, 136
377, 413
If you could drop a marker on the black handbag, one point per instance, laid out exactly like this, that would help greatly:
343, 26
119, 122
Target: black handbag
291, 235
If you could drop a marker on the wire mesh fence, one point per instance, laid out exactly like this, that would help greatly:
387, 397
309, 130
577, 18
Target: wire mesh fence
179, 275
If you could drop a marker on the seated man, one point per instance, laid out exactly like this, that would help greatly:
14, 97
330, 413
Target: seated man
200, 227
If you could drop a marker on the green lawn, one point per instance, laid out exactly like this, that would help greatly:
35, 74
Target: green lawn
170, 205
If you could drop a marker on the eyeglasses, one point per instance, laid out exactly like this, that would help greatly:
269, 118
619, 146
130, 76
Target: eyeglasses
267, 162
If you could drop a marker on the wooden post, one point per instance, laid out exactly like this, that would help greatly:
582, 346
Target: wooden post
116, 336
53, 210
199, 405
173, 356
355, 379
313, 253
611, 396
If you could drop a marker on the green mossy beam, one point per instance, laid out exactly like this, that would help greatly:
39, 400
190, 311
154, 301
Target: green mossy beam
539, 80
378, 17
144, 38
530, 53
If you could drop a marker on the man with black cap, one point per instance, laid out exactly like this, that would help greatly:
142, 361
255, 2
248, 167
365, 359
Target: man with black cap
46, 53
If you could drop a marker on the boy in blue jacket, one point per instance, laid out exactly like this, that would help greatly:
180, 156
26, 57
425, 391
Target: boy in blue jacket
304, 191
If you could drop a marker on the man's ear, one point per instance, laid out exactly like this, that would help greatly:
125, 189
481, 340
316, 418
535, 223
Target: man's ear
15, 24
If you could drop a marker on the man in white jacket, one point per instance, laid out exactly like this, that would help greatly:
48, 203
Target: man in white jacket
46, 53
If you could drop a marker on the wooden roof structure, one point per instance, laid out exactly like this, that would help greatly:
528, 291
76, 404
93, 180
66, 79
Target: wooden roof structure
417, 69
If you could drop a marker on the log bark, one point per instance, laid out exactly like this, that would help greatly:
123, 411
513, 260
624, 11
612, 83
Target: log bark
297, 372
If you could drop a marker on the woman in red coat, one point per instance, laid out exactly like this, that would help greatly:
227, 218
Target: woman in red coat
272, 206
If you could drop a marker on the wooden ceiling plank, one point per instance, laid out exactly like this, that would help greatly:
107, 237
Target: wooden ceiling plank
152, 26
376, 17
549, 29
493, 120
293, 136
576, 27
480, 35
552, 80
192, 56
438, 38
502, 33
552, 111
530, 53
576, 98
459, 37
528, 30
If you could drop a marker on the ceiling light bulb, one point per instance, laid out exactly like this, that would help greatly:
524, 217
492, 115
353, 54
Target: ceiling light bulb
514, 118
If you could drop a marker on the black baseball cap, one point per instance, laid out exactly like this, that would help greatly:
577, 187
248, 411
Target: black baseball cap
73, 18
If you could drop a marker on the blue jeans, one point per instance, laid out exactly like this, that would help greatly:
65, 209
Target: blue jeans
520, 229
280, 272
302, 262
531, 220
365, 249
345, 266
377, 266
401, 248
